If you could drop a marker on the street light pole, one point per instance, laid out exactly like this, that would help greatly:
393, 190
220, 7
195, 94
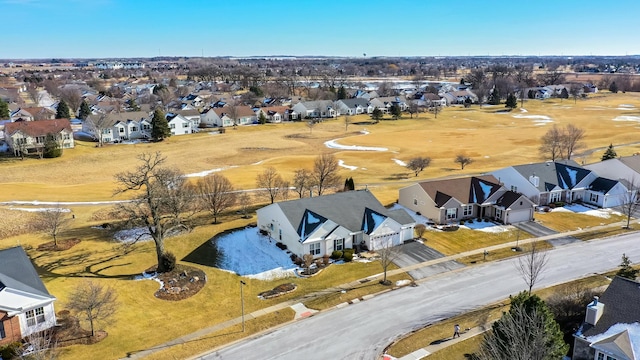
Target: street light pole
242, 283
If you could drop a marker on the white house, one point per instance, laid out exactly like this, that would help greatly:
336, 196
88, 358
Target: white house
228, 116
354, 106
179, 125
323, 224
120, 127
30, 136
25, 304
315, 109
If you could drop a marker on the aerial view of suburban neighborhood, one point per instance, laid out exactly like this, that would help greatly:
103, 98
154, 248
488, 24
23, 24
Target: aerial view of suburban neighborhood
319, 180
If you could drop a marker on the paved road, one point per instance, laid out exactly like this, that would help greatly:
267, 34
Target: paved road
415, 253
362, 330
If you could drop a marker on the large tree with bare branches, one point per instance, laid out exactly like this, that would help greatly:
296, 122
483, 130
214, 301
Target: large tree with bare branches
99, 124
162, 203
325, 172
301, 181
271, 184
560, 143
94, 303
217, 194
531, 265
54, 221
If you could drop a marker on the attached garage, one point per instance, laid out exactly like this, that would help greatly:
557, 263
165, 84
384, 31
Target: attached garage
516, 216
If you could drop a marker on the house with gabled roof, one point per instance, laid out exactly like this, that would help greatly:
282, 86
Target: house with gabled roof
26, 306
120, 126
354, 106
626, 168
450, 200
385, 103
224, 116
561, 181
320, 225
30, 136
274, 114
316, 109
611, 329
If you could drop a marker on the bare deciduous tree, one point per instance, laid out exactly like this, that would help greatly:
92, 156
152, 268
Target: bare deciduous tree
573, 136
302, 181
73, 98
418, 164
388, 254
54, 221
99, 124
552, 143
311, 124
463, 160
216, 193
163, 201
531, 265
271, 184
244, 200
40, 345
325, 172
420, 229
94, 303
631, 201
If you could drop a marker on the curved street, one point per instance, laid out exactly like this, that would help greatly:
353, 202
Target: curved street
364, 329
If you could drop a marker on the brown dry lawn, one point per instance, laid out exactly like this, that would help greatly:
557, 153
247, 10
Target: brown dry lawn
86, 173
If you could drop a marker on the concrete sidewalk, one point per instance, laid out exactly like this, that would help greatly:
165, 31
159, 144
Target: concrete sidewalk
209, 330
439, 345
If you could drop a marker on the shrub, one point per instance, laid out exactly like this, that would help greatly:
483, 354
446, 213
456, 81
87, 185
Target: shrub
325, 260
559, 203
348, 256
221, 130
461, 222
337, 254
281, 246
349, 251
10, 350
470, 221
418, 213
168, 261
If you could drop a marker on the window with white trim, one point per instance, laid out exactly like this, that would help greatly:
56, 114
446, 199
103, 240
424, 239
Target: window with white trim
555, 196
514, 188
2, 333
452, 213
314, 249
35, 316
467, 210
338, 244
499, 213
593, 197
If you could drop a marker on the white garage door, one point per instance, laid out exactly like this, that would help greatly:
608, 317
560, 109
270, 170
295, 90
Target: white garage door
516, 216
380, 242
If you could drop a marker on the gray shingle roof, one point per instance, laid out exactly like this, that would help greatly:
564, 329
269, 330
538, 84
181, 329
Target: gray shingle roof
564, 174
352, 103
620, 301
346, 209
17, 272
602, 185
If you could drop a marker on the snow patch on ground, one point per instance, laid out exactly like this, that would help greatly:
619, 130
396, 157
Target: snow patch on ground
40, 209
488, 227
626, 106
400, 162
132, 235
209, 172
333, 144
350, 167
581, 209
523, 110
258, 163
247, 253
537, 119
627, 118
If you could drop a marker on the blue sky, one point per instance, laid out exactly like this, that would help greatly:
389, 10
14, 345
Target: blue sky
146, 28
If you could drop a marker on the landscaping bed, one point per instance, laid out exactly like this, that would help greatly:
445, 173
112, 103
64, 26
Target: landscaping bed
179, 284
279, 290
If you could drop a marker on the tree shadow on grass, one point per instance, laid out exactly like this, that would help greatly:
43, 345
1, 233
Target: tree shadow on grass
206, 254
171, 344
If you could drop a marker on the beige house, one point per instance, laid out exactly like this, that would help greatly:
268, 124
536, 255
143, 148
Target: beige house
30, 136
451, 200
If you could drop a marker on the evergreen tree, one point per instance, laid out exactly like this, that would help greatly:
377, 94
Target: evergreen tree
494, 97
262, 119
376, 114
84, 111
63, 111
531, 94
564, 94
4, 110
159, 126
133, 106
342, 93
512, 101
395, 111
527, 331
613, 87
349, 184
626, 270
609, 154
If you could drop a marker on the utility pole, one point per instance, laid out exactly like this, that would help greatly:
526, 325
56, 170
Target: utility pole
242, 284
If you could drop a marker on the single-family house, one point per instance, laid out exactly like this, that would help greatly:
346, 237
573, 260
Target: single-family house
354, 106
179, 125
451, 200
120, 126
40, 113
430, 100
625, 169
459, 97
26, 306
191, 115
21, 115
30, 136
320, 225
384, 103
274, 114
228, 116
315, 109
561, 181
539, 93
611, 328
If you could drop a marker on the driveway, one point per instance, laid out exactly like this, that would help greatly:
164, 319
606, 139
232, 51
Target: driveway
537, 230
416, 252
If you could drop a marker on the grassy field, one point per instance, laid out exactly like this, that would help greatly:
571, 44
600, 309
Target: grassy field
86, 173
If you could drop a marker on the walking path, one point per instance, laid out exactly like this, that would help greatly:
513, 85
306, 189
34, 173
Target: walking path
303, 312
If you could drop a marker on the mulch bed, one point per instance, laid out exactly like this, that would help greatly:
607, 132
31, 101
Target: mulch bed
62, 245
181, 283
278, 291
70, 333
